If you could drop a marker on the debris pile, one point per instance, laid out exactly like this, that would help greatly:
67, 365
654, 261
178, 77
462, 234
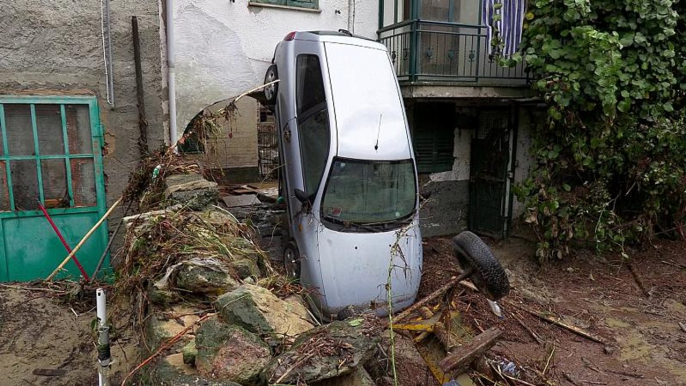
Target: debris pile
213, 309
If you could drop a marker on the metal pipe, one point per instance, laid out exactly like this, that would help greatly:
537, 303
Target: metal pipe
173, 134
104, 356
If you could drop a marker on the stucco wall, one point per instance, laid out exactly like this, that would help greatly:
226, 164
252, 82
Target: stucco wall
57, 45
223, 48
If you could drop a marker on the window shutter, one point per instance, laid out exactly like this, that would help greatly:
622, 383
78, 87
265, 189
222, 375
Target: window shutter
433, 137
424, 144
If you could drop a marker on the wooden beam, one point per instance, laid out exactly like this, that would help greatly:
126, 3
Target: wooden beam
463, 356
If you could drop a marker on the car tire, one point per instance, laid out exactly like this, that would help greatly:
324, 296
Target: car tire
488, 275
291, 260
271, 91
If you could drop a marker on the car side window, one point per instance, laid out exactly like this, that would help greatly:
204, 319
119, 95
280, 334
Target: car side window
313, 120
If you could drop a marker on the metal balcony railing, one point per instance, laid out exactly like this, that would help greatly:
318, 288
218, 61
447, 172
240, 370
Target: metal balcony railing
446, 52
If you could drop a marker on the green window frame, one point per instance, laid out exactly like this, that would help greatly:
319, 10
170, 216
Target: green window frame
304, 4
67, 154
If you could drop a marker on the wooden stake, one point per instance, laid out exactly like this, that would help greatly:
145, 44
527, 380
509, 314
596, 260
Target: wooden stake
84, 239
464, 355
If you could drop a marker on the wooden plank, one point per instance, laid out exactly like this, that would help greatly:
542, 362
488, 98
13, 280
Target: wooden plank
463, 356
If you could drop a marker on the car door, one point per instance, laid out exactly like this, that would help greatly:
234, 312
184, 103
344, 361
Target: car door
310, 144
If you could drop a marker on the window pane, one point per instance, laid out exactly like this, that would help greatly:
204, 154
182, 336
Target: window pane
314, 144
369, 192
25, 185
19, 129
79, 129
55, 183
310, 82
440, 10
83, 182
4, 193
49, 125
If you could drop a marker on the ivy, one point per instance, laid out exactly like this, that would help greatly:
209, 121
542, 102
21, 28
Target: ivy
611, 156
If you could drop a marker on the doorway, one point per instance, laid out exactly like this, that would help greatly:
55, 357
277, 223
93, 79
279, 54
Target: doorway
50, 153
491, 173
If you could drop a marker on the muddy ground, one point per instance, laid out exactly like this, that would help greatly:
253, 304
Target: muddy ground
643, 342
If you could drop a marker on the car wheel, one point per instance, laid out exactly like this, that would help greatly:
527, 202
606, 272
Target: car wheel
291, 260
488, 275
271, 90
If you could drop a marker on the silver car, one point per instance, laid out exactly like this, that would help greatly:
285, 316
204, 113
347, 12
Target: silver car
348, 173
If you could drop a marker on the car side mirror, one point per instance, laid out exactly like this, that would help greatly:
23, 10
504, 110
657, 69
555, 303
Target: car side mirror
302, 196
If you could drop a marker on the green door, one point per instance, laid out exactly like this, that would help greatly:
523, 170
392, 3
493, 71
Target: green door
50, 153
489, 188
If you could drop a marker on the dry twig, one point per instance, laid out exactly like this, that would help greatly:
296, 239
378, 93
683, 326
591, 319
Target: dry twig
165, 346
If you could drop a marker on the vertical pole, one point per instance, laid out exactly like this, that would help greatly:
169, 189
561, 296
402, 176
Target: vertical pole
142, 122
67, 160
381, 15
36, 148
103, 337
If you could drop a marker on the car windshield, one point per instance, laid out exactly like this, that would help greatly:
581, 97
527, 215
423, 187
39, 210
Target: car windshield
369, 192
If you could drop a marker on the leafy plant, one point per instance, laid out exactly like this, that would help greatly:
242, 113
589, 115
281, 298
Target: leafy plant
611, 156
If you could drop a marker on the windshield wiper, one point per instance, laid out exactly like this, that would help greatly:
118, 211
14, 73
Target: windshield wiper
348, 224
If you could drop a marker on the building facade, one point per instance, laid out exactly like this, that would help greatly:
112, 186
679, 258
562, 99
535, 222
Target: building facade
69, 121
469, 116
224, 47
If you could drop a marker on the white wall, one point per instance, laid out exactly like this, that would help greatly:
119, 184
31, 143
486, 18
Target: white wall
224, 48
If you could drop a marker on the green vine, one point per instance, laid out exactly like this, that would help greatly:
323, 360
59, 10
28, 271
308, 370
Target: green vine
611, 156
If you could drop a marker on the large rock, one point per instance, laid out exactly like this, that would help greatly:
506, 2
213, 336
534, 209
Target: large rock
205, 275
260, 311
325, 352
230, 353
171, 371
191, 190
162, 326
246, 268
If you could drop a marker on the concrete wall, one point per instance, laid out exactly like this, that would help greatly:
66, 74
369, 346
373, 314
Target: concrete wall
447, 211
223, 48
234, 146
56, 46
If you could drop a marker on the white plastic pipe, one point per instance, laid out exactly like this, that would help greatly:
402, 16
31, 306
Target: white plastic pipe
171, 80
101, 307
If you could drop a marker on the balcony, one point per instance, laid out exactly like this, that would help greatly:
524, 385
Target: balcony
433, 52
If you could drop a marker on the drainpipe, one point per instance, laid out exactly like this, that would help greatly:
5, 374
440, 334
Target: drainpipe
173, 134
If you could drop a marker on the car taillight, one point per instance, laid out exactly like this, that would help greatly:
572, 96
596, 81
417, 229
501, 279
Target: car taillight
289, 37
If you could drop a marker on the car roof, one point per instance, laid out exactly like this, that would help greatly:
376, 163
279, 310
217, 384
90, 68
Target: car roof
340, 36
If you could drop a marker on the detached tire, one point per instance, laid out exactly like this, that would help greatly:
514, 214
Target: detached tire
488, 275
270, 91
291, 260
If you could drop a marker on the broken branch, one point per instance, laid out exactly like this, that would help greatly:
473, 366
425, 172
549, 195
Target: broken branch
529, 330
559, 323
433, 295
638, 280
